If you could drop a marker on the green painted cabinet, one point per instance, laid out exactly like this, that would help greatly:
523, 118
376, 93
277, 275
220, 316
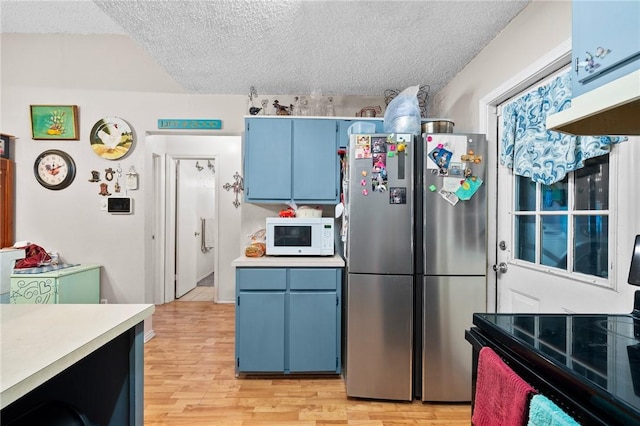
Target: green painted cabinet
288, 320
76, 284
291, 159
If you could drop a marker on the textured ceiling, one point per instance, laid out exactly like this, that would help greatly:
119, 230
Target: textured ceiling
286, 46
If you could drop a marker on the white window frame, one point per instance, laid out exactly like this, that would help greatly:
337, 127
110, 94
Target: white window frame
570, 213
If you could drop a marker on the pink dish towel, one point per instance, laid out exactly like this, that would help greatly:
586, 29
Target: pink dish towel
502, 397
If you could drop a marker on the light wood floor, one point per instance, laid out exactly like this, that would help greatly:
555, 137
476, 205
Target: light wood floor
199, 294
189, 379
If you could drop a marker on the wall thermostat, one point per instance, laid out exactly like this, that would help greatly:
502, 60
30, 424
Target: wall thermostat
120, 205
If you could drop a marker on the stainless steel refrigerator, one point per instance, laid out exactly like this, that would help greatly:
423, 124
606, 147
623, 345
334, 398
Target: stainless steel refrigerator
379, 200
452, 261
416, 260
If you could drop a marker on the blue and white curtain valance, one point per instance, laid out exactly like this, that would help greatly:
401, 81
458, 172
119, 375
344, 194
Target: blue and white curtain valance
544, 155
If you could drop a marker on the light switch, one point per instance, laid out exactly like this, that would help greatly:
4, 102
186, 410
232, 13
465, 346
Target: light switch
103, 204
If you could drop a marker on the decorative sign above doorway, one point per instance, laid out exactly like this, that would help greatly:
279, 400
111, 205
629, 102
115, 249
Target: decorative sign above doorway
192, 124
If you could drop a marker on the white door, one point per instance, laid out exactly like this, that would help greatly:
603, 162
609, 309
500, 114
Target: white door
188, 232
553, 240
157, 223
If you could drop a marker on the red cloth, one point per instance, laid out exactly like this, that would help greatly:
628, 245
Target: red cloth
35, 256
502, 397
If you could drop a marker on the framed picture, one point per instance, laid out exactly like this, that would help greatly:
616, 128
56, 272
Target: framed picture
54, 122
5, 146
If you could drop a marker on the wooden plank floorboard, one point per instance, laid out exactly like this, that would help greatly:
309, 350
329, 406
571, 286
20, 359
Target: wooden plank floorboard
189, 380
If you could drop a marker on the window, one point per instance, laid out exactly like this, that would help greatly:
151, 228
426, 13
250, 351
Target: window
565, 225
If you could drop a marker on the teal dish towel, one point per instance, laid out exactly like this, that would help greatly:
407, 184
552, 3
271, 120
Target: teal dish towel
543, 412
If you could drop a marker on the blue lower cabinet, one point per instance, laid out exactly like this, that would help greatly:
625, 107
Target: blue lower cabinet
313, 345
260, 331
288, 320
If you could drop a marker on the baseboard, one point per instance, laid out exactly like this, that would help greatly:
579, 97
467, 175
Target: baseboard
149, 335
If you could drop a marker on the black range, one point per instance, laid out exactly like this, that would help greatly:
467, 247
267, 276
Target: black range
589, 364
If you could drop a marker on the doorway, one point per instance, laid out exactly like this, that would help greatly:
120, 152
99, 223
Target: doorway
195, 225
553, 278
488, 125
164, 153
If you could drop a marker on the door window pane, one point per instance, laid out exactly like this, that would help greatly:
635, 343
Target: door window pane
592, 184
554, 241
565, 225
525, 238
554, 196
525, 194
591, 245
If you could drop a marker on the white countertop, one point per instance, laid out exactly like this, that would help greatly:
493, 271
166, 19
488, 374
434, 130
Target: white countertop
55, 273
39, 341
334, 261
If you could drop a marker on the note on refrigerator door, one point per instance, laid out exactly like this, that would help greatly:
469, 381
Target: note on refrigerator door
450, 184
363, 146
468, 188
455, 144
449, 196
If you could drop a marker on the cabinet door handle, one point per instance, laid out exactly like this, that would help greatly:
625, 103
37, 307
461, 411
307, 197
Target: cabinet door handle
577, 62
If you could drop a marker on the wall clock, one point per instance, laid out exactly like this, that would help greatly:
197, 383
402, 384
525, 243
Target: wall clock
54, 169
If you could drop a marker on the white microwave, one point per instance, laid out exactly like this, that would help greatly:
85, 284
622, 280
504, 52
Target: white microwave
300, 236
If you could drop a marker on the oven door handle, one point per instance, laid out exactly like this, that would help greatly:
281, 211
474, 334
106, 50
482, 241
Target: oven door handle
472, 336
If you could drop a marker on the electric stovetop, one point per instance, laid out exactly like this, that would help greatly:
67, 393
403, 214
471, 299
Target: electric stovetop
598, 351
589, 362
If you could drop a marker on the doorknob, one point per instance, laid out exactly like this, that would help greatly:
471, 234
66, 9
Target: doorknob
501, 267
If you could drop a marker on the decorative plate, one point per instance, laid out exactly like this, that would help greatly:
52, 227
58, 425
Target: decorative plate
111, 138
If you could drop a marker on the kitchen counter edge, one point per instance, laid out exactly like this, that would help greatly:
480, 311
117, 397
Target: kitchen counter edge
289, 262
30, 354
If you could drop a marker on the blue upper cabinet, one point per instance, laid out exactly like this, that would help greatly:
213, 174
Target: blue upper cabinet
291, 159
606, 42
316, 173
267, 159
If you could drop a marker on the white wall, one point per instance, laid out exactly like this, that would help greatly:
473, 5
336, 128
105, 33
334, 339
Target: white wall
105, 75
539, 29
80, 62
